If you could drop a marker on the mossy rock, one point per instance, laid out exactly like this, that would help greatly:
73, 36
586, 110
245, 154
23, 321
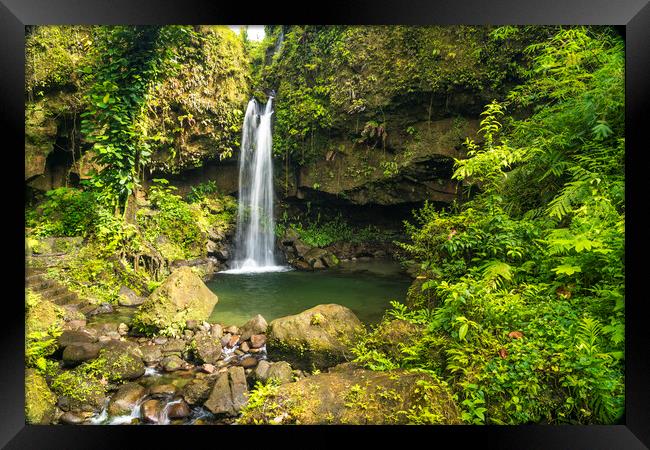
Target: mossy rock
351, 395
319, 337
123, 360
183, 296
40, 401
43, 316
78, 390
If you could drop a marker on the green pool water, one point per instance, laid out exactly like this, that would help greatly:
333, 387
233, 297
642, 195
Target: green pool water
364, 287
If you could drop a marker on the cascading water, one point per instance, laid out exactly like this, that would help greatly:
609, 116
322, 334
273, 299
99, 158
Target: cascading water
255, 240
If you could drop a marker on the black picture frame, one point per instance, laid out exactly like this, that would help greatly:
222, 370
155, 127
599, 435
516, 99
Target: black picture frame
633, 19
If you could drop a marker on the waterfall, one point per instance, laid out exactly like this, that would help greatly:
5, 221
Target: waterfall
255, 239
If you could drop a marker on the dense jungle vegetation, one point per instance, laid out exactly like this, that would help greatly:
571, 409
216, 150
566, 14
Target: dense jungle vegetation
518, 308
522, 310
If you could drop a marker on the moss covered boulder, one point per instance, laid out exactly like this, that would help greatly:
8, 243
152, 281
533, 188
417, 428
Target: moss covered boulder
352, 395
122, 360
79, 390
319, 337
42, 315
182, 297
40, 402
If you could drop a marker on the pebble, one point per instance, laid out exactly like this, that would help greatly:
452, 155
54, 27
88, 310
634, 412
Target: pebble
244, 347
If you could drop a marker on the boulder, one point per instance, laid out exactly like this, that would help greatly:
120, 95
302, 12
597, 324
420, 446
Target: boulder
348, 394
258, 340
72, 418
301, 265
314, 256
123, 360
183, 296
40, 401
151, 354
233, 329
228, 394
178, 409
197, 390
151, 410
207, 348
280, 371
104, 308
77, 353
75, 324
301, 248
75, 337
128, 297
257, 325
175, 346
319, 337
125, 399
330, 260
216, 330
172, 363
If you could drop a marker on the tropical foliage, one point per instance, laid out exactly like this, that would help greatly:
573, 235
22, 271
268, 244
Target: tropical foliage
529, 274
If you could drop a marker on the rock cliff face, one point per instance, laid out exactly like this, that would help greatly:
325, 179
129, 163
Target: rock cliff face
411, 168
197, 113
364, 115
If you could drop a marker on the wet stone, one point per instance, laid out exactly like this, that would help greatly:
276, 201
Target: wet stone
162, 390
233, 341
248, 363
258, 340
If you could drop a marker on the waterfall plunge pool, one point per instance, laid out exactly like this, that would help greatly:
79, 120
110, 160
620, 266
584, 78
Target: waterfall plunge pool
366, 287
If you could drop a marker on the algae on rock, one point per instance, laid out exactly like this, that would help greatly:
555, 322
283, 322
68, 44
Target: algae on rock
181, 297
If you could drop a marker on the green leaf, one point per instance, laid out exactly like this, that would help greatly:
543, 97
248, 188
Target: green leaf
462, 331
567, 269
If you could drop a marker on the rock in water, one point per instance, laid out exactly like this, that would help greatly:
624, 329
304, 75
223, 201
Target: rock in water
228, 395
257, 325
207, 348
151, 410
181, 297
220, 399
197, 390
162, 390
123, 359
178, 410
172, 363
125, 399
318, 337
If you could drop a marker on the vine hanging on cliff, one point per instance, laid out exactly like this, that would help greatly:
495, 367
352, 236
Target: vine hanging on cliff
128, 62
